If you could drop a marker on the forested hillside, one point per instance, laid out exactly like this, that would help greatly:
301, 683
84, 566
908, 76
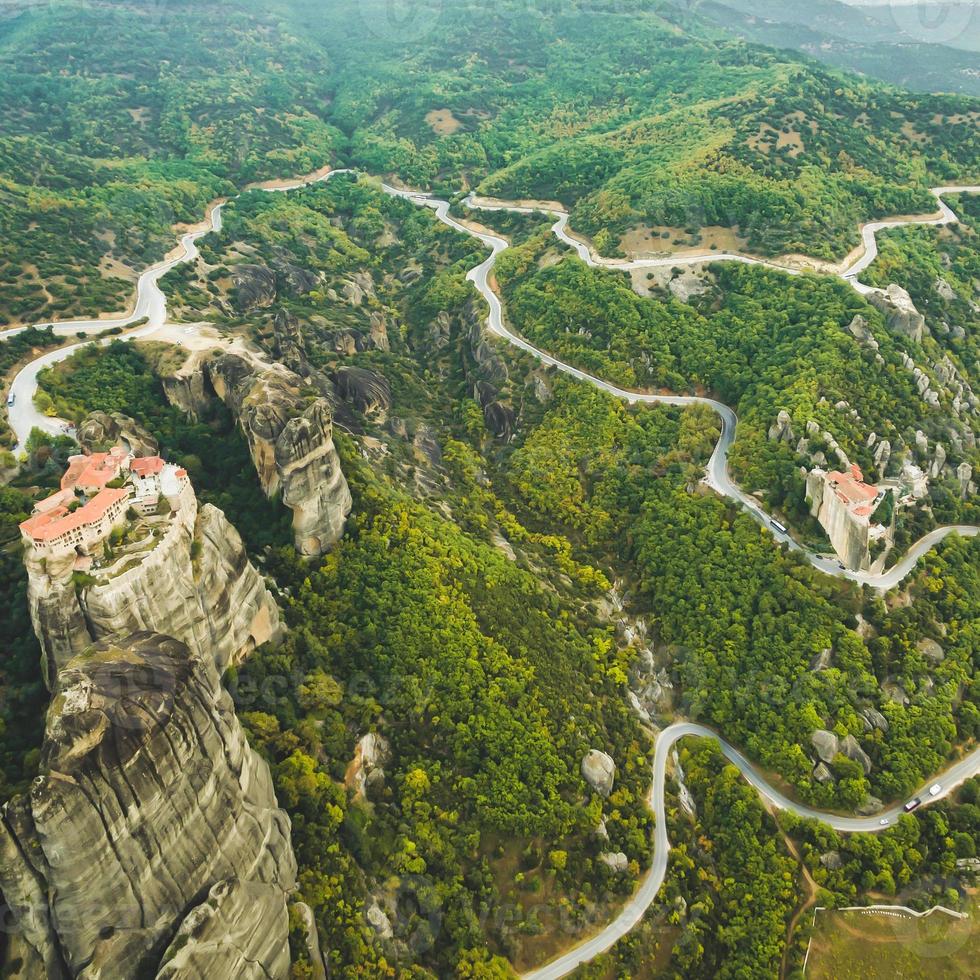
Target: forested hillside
748, 639
763, 342
103, 150
922, 47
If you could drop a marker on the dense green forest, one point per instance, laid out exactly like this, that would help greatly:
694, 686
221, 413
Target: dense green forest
100, 155
775, 871
742, 623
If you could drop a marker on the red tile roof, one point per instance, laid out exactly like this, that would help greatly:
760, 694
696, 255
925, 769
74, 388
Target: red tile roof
852, 489
93, 471
52, 524
147, 465
75, 466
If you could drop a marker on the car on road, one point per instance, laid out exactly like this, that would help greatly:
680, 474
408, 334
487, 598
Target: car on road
11, 398
883, 821
935, 789
912, 804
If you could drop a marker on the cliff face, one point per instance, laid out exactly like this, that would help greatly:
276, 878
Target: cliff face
901, 316
102, 430
185, 387
848, 535
196, 584
153, 826
290, 438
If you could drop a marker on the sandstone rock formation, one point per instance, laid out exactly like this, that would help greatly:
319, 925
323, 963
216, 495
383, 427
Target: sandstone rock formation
425, 443
825, 743
870, 806
290, 437
599, 771
237, 931
499, 419
368, 391
312, 941
259, 286
689, 284
874, 719
357, 287
196, 583
102, 430
931, 650
186, 387
290, 347
964, 475
861, 332
913, 481
616, 861
255, 287
822, 774
153, 824
379, 921
294, 279
844, 505
832, 860
782, 429
901, 316
883, 454
488, 365
378, 331
366, 771
849, 747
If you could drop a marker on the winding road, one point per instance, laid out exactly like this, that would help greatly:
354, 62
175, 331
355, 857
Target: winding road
633, 911
151, 304
717, 475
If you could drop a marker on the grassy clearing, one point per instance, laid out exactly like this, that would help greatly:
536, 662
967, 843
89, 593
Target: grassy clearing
891, 945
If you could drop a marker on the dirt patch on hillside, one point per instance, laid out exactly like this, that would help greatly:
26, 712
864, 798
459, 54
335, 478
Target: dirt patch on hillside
442, 122
912, 134
652, 241
957, 120
788, 138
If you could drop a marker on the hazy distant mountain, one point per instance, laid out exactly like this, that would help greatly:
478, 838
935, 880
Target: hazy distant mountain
925, 47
